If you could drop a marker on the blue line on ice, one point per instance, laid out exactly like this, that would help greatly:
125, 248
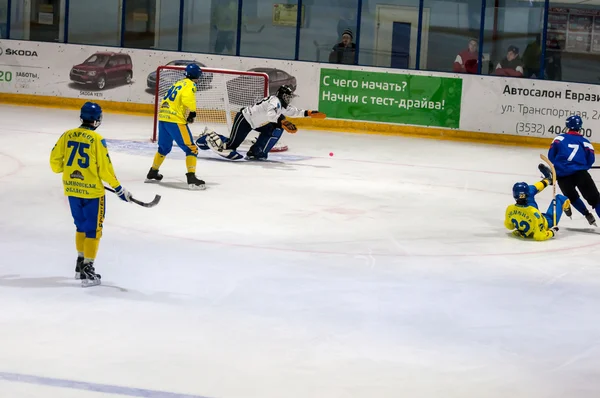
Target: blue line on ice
80, 385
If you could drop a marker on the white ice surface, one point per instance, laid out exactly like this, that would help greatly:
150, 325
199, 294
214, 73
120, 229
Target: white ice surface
383, 271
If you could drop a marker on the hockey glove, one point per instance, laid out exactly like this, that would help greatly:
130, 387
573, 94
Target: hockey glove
315, 114
191, 117
123, 194
289, 126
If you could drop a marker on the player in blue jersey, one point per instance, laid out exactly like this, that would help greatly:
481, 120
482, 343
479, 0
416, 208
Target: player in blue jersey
524, 217
572, 156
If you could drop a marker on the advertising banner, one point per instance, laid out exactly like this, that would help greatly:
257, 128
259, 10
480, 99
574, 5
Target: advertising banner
390, 97
487, 104
528, 107
127, 75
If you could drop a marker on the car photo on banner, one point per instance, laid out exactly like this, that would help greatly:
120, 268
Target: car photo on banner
203, 84
277, 78
102, 69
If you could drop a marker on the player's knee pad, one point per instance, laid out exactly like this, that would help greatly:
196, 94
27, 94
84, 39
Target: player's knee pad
163, 151
95, 234
191, 150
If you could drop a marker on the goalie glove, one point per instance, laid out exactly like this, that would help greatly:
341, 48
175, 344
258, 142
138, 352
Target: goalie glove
191, 117
289, 126
315, 114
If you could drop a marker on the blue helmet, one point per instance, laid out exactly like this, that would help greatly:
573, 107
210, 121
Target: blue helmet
91, 113
193, 71
574, 123
520, 191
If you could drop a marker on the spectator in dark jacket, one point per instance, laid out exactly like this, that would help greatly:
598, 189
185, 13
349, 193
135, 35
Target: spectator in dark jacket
511, 65
343, 52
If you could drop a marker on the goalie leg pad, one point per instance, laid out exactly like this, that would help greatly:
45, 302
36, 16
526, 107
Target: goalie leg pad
214, 141
265, 142
201, 141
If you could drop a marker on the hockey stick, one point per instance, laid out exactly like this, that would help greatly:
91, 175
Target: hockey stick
153, 203
595, 167
545, 159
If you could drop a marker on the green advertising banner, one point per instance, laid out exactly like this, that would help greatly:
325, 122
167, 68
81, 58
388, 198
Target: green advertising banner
390, 97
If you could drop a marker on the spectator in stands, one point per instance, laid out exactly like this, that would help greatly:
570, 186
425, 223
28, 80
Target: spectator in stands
224, 21
466, 60
511, 65
531, 57
343, 52
553, 59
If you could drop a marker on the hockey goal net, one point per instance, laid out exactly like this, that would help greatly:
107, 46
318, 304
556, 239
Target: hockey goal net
221, 93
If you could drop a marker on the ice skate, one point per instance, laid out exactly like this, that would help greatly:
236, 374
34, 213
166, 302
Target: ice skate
78, 266
194, 183
567, 208
590, 218
89, 277
153, 176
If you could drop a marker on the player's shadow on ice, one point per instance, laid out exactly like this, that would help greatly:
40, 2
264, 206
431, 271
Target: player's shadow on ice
45, 282
48, 282
267, 164
181, 184
584, 230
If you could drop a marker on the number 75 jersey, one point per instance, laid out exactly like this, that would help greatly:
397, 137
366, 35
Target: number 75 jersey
82, 157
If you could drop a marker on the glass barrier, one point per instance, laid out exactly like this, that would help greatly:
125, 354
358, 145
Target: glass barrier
81, 31
268, 29
329, 32
518, 38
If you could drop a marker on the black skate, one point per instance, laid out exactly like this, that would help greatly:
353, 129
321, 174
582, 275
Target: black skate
194, 182
153, 175
89, 277
78, 266
590, 218
253, 154
567, 208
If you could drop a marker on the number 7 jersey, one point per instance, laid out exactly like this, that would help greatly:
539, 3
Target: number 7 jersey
82, 157
180, 97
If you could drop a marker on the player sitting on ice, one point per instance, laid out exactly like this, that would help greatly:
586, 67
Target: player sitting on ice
524, 218
267, 117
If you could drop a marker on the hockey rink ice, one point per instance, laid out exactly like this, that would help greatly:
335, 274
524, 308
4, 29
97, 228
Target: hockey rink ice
383, 271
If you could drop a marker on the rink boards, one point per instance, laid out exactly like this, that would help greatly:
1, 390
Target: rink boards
359, 99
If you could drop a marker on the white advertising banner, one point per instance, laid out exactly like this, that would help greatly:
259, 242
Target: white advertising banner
127, 75
487, 104
528, 107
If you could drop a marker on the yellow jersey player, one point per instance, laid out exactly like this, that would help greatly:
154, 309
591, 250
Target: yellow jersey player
524, 217
173, 126
82, 157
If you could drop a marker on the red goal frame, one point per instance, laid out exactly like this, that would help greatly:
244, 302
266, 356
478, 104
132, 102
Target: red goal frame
204, 70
